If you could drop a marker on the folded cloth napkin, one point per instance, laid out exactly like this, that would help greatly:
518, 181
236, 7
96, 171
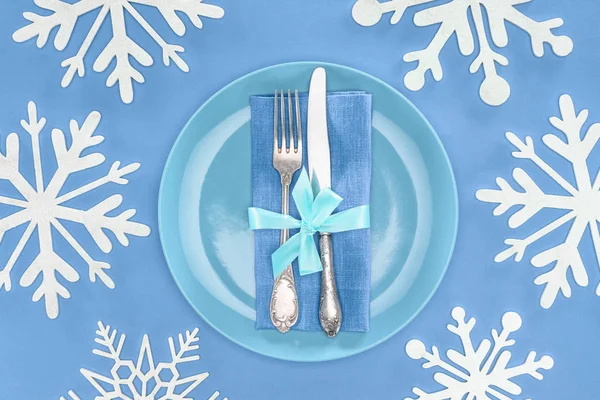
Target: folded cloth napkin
349, 126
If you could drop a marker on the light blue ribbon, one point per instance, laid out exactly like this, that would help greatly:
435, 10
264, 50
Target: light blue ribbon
316, 217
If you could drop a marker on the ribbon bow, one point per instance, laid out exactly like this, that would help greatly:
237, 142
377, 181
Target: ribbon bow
316, 214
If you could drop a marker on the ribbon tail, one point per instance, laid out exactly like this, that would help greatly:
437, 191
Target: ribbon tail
348, 220
264, 219
309, 261
284, 255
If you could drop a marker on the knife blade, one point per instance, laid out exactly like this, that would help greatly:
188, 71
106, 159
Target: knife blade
319, 160
319, 166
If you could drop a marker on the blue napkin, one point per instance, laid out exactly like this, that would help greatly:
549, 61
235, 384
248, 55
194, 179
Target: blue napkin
349, 125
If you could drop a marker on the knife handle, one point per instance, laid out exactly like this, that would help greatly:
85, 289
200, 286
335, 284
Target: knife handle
330, 310
284, 301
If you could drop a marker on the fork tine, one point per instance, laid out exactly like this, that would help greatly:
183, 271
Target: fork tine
275, 126
284, 145
298, 124
291, 122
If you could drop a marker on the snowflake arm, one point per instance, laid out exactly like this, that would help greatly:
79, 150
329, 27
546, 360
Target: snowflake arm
47, 264
34, 128
487, 371
540, 32
120, 48
12, 202
463, 329
75, 64
64, 15
187, 345
532, 199
517, 247
106, 338
96, 268
95, 220
497, 361
526, 150
193, 9
428, 58
369, 12
494, 89
566, 258
170, 51
502, 375
6, 224
70, 160
114, 175
576, 149
497, 20
178, 357
9, 168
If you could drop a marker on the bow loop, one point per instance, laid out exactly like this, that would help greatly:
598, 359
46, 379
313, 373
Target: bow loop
303, 197
325, 202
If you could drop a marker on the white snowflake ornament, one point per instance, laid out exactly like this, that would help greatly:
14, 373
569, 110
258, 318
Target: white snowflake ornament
42, 208
580, 202
453, 18
121, 48
478, 371
144, 379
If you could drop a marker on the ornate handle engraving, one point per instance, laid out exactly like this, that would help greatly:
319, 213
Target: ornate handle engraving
330, 310
284, 301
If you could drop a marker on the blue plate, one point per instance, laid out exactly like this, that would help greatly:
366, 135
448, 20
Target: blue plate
205, 192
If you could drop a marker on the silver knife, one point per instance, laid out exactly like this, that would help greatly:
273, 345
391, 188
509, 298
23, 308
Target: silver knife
319, 166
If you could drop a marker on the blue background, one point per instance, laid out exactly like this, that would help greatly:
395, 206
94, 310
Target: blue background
41, 358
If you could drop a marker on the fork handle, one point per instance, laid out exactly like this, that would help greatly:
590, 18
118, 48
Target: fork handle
286, 181
284, 299
330, 310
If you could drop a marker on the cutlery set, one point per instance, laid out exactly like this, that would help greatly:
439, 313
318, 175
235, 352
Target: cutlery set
287, 159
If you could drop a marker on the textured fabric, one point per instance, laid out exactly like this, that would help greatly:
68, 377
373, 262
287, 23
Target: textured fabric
349, 124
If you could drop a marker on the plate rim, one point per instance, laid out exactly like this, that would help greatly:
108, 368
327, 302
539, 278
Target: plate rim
446, 160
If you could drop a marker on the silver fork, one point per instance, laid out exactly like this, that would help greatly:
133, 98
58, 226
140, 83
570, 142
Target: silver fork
287, 159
